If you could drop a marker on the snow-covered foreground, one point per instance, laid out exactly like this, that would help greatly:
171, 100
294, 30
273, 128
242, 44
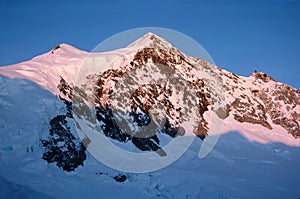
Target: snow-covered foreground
235, 168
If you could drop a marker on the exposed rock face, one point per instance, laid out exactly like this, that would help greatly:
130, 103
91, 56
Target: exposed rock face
259, 99
65, 88
255, 113
282, 103
158, 56
147, 95
62, 147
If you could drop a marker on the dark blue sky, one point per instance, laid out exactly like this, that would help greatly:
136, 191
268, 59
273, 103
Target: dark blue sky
241, 36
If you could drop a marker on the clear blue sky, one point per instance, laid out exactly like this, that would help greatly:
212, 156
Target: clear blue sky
241, 36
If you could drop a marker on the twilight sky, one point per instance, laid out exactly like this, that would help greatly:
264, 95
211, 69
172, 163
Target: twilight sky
240, 36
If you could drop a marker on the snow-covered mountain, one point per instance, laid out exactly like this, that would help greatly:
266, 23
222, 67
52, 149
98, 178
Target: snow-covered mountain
272, 106
41, 98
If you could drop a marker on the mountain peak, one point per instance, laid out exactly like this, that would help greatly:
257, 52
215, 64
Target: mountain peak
151, 40
63, 47
150, 34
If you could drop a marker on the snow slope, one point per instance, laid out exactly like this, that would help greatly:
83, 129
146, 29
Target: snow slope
46, 69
